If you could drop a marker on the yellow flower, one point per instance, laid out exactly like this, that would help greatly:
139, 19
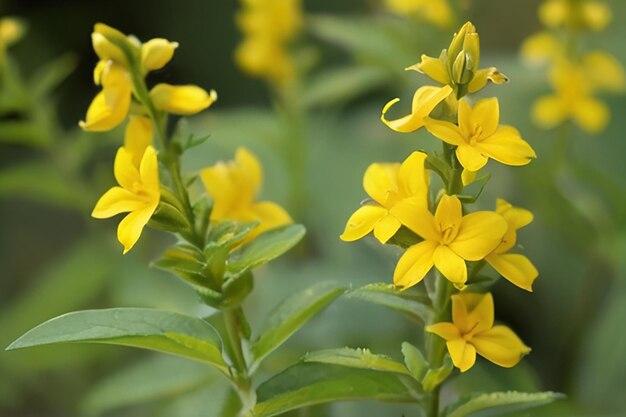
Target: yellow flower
387, 185
450, 239
138, 194
472, 331
542, 48
233, 187
437, 12
585, 14
182, 99
478, 136
425, 100
110, 106
138, 136
514, 267
156, 53
458, 65
11, 31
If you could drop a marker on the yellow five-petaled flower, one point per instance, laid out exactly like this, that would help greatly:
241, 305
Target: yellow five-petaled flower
233, 187
137, 173
387, 185
450, 239
479, 137
472, 331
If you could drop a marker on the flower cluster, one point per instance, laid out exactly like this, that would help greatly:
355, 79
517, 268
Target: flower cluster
575, 76
268, 27
444, 235
437, 12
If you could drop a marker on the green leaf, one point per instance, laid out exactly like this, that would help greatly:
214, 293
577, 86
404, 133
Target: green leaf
149, 380
434, 377
265, 247
415, 307
414, 361
24, 132
306, 384
291, 314
162, 331
356, 358
53, 73
497, 403
341, 85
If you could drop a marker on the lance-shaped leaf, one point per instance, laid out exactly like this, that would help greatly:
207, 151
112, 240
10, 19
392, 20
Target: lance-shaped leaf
498, 403
414, 306
356, 358
291, 314
306, 384
162, 331
265, 247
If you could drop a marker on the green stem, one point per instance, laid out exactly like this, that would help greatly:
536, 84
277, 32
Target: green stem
241, 380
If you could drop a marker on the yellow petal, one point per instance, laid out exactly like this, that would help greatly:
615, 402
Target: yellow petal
107, 50
379, 179
468, 177
500, 346
604, 71
434, 68
507, 147
414, 264
110, 107
183, 100
484, 75
126, 173
156, 53
270, 215
446, 131
448, 216
514, 267
251, 169
221, 189
479, 234
516, 217
138, 137
417, 218
413, 179
486, 114
362, 222
470, 157
591, 115
386, 228
597, 15
472, 312
132, 225
425, 100
451, 265
447, 331
553, 13
149, 173
115, 201
463, 354
549, 111
541, 48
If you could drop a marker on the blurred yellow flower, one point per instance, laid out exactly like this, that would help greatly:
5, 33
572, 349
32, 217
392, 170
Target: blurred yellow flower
438, 12
182, 99
387, 185
542, 48
233, 186
425, 100
514, 267
138, 194
472, 331
11, 31
450, 239
478, 136
268, 27
458, 65
582, 14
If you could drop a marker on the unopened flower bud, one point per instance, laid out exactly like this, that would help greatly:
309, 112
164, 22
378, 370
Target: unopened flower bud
156, 53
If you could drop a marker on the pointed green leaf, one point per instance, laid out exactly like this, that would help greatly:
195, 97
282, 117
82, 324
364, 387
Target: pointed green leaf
153, 379
291, 314
356, 358
162, 331
53, 73
414, 306
414, 361
497, 403
265, 247
306, 384
434, 377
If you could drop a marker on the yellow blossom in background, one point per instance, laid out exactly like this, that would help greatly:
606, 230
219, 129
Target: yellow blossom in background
268, 27
388, 185
472, 331
542, 48
450, 239
437, 12
11, 31
581, 14
425, 100
514, 267
233, 187
458, 65
478, 136
138, 195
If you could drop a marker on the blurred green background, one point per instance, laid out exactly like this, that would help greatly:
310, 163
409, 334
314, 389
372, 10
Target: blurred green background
54, 258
